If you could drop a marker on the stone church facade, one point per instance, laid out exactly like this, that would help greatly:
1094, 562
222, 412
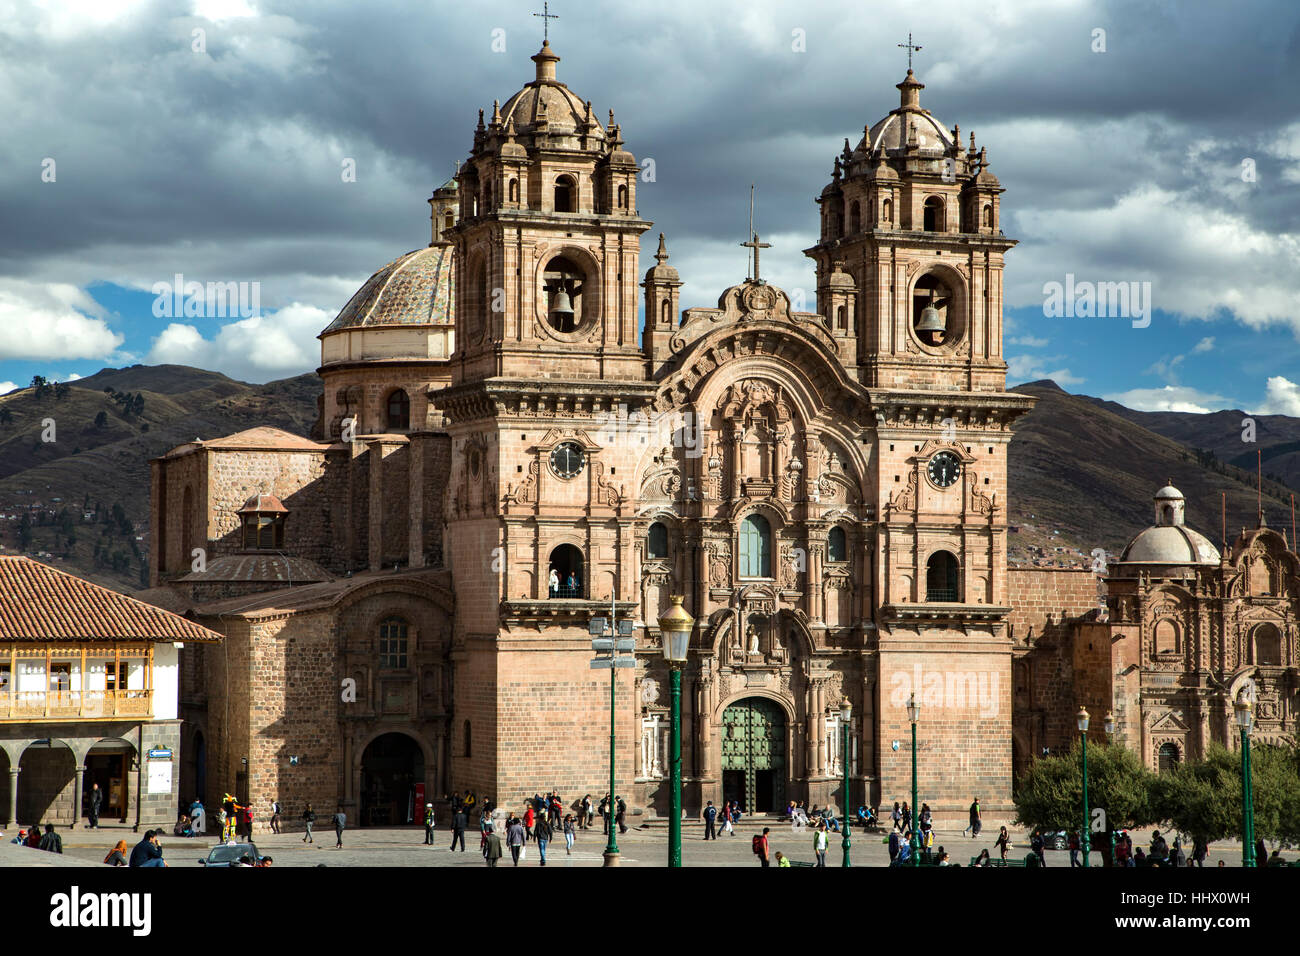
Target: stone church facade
506, 450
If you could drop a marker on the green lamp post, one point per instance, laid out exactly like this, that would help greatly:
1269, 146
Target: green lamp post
913, 714
846, 712
1247, 796
1109, 723
675, 626
1082, 719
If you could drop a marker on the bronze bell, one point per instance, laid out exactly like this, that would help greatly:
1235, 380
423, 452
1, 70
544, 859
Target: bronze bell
561, 310
931, 320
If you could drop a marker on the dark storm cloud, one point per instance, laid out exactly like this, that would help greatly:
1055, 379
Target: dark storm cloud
227, 163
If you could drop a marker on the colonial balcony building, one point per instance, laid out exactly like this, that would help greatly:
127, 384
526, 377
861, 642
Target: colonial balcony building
88, 694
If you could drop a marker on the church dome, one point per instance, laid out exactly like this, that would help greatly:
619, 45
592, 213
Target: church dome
413, 289
1169, 540
893, 132
547, 104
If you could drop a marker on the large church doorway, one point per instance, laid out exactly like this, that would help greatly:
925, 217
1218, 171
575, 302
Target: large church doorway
753, 755
391, 766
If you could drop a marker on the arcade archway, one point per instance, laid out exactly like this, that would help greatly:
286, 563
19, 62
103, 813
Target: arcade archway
391, 767
754, 760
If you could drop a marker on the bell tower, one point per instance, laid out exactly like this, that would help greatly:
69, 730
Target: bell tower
548, 238
911, 255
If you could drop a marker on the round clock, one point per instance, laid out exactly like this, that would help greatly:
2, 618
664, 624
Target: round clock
944, 469
567, 459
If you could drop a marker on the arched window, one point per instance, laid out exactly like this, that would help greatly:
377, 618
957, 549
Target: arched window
399, 410
934, 214
656, 545
841, 319
666, 313
514, 190
1268, 646
467, 738
622, 197
1166, 637
887, 213
988, 217
566, 194
755, 547
855, 217
837, 545
448, 221
941, 577
564, 578
1167, 757
392, 644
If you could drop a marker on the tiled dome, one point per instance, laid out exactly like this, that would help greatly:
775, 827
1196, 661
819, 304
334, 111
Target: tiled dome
414, 289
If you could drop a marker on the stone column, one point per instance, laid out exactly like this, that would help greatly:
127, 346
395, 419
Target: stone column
79, 776
814, 586
13, 797
639, 753
375, 534
866, 573
810, 733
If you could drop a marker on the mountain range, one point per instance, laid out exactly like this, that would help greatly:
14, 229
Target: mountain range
1082, 470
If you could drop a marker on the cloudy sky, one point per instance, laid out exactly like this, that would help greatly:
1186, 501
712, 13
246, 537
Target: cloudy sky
1148, 142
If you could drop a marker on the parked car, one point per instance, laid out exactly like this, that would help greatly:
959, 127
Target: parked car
229, 854
1060, 840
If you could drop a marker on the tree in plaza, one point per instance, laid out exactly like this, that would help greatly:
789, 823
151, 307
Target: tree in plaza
1049, 794
1202, 798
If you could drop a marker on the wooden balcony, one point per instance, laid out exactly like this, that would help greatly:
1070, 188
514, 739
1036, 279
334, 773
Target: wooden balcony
75, 705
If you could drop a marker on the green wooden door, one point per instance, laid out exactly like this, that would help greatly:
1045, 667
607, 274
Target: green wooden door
753, 755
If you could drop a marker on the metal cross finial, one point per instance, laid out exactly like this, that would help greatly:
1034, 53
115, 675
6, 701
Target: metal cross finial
547, 17
909, 46
756, 245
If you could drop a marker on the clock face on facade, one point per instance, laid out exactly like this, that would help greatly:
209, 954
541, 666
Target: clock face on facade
567, 459
944, 469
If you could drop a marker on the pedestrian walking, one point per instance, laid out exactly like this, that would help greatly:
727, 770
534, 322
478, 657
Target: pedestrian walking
308, 818
604, 814
894, 846
1199, 851
96, 801
728, 818
710, 815
542, 833
1038, 845
586, 816
1074, 850
819, 843
760, 847
198, 817
428, 824
485, 827
491, 847
568, 835
458, 824
898, 817
976, 819
340, 823
621, 816
515, 835
1003, 842
275, 816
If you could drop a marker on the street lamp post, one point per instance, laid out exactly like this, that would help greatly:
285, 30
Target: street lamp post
1247, 795
620, 654
1082, 718
675, 631
913, 713
1108, 722
846, 712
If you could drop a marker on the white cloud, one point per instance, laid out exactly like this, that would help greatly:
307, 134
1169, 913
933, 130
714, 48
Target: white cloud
7, 387
1281, 397
259, 349
52, 320
1200, 260
1205, 345
1032, 368
1170, 398
1166, 368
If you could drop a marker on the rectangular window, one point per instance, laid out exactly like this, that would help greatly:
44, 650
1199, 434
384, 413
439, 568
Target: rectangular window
4, 678
392, 645
110, 676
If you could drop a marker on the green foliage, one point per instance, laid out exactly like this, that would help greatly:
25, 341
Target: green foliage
1049, 793
1202, 798
101, 419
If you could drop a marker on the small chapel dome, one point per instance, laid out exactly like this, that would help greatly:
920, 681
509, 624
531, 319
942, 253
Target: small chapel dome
414, 289
1169, 541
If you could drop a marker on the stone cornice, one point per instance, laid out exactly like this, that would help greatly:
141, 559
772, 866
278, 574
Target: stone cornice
896, 408
946, 613
507, 397
549, 612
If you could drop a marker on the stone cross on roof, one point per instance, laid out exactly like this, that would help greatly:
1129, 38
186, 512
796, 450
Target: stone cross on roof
756, 245
909, 46
547, 17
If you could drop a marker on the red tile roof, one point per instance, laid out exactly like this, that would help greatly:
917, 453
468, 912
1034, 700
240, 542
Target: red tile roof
41, 603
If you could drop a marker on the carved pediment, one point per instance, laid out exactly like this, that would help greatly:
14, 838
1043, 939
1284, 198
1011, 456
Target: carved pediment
1168, 722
